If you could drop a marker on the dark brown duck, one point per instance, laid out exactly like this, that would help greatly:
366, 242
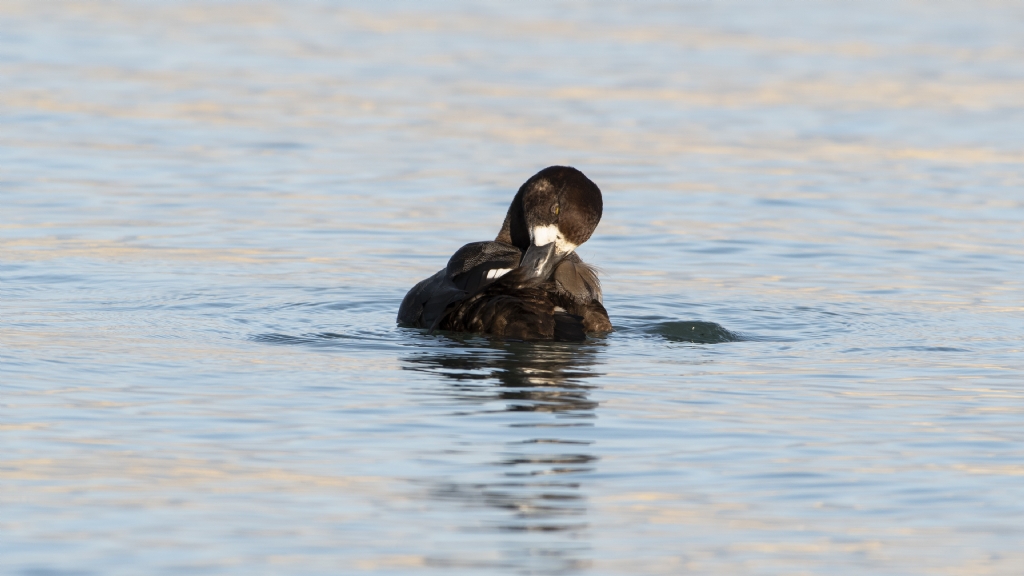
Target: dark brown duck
529, 283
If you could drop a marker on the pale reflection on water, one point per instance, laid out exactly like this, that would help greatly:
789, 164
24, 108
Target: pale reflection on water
536, 478
811, 251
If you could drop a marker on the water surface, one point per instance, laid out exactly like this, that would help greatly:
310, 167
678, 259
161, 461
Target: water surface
811, 252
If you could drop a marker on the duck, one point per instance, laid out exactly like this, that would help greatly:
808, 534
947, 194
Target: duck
528, 283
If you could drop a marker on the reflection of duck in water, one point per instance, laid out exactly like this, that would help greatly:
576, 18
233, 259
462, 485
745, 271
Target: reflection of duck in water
539, 447
532, 377
528, 283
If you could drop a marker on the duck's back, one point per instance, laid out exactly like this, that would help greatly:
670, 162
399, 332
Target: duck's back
563, 308
505, 310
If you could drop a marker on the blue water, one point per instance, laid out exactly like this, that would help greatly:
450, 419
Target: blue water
811, 252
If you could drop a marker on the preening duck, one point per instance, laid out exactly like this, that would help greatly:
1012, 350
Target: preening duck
528, 283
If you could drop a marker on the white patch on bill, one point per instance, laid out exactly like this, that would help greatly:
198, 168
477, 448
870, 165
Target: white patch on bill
544, 235
497, 272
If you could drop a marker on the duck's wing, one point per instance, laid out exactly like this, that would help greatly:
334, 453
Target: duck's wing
513, 307
470, 269
506, 311
478, 264
467, 296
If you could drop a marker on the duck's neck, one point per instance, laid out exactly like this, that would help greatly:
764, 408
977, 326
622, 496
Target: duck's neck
514, 230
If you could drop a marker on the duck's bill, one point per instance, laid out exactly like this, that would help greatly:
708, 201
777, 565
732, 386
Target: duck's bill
538, 263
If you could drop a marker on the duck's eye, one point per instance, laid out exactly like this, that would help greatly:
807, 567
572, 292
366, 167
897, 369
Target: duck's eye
555, 209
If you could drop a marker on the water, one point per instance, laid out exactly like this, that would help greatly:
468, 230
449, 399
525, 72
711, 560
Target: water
811, 251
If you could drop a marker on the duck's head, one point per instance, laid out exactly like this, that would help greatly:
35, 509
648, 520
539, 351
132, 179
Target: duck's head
554, 211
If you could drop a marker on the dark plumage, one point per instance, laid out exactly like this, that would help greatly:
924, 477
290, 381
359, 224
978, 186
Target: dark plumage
528, 283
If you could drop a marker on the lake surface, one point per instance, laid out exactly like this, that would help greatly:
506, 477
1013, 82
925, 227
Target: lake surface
812, 251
